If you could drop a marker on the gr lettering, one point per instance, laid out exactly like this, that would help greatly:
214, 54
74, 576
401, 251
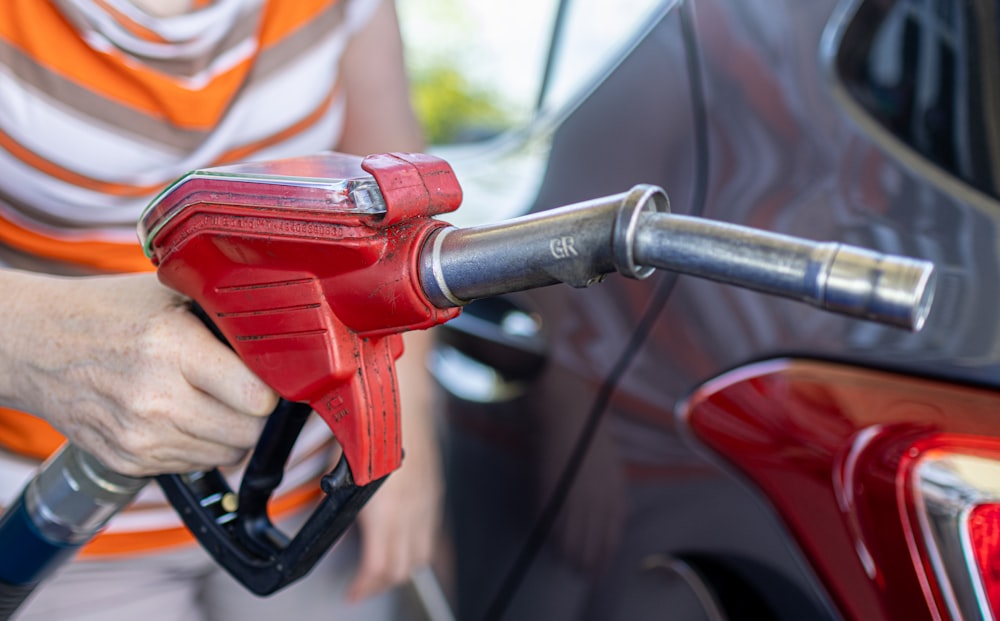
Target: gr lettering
562, 247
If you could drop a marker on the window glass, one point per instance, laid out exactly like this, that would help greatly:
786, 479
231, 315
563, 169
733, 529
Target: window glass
479, 68
593, 34
476, 67
493, 80
927, 72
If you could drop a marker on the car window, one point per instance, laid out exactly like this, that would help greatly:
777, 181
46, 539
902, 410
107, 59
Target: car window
491, 82
591, 35
928, 74
480, 68
476, 67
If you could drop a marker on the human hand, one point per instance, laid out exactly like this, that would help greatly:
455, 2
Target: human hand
120, 366
400, 524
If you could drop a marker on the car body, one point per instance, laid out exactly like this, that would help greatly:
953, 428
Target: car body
679, 448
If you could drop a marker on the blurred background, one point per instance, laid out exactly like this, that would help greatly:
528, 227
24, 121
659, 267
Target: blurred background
490, 78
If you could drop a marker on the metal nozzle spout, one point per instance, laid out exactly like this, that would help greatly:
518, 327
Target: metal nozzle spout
848, 280
633, 233
892, 289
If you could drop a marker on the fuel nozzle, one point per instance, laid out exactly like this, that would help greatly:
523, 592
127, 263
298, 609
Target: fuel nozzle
311, 268
634, 234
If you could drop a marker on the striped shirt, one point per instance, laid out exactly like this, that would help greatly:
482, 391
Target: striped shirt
102, 104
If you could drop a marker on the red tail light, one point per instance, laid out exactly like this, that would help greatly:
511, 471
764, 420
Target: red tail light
956, 496
889, 484
984, 539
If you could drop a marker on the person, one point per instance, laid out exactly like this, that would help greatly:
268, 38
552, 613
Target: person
105, 102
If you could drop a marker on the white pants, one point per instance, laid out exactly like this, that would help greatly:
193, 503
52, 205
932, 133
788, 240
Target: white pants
187, 585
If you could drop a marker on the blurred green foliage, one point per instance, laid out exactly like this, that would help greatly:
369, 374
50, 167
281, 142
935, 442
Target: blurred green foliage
452, 109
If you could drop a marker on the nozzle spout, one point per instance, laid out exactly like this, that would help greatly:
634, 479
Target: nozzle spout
634, 234
889, 289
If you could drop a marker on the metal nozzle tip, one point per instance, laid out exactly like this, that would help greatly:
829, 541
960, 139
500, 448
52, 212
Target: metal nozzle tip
891, 289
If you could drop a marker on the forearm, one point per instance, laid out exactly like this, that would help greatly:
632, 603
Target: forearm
379, 115
32, 333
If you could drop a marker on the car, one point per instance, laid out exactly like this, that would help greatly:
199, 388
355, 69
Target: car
679, 448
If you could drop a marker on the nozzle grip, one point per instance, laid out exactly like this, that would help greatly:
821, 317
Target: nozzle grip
247, 544
236, 529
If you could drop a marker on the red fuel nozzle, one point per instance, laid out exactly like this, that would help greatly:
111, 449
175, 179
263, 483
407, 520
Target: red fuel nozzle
309, 268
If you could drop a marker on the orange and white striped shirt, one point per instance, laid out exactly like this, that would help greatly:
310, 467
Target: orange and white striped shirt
102, 104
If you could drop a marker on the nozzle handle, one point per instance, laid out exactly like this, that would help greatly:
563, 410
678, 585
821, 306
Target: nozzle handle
235, 528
